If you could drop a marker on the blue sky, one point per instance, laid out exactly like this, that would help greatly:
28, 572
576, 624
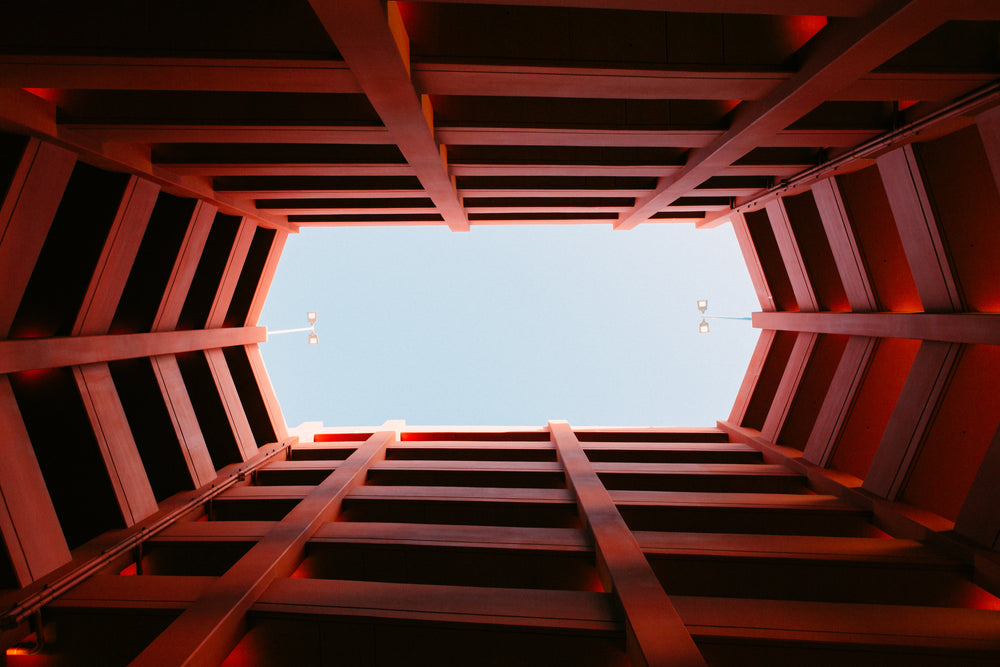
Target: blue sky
509, 325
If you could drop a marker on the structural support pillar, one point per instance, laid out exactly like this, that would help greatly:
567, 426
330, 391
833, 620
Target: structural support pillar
266, 277
28, 521
911, 418
185, 267
114, 438
209, 629
185, 421
267, 391
752, 261
754, 369
115, 263
655, 633
918, 230
235, 413
25, 218
789, 385
231, 274
844, 246
839, 398
790, 256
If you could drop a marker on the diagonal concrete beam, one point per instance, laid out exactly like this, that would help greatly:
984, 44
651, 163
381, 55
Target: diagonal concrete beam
843, 52
376, 48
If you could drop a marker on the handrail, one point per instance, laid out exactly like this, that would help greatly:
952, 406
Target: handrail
137, 535
979, 97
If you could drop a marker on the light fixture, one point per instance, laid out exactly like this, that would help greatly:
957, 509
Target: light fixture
311, 317
703, 325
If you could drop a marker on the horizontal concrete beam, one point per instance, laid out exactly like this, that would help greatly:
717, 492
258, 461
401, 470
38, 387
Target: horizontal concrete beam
982, 328
35, 353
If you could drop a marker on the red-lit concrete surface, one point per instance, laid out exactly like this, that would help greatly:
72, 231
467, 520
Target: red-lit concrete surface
153, 507
549, 545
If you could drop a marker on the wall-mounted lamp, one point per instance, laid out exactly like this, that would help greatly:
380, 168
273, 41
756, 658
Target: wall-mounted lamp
311, 318
703, 325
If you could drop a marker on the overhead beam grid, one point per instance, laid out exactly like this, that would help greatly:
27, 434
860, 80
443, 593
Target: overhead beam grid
659, 100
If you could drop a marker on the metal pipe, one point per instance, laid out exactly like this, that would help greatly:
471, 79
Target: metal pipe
33, 603
978, 97
281, 331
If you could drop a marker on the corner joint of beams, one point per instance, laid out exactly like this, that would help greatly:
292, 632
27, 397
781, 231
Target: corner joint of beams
715, 221
641, 211
458, 225
626, 223
395, 425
